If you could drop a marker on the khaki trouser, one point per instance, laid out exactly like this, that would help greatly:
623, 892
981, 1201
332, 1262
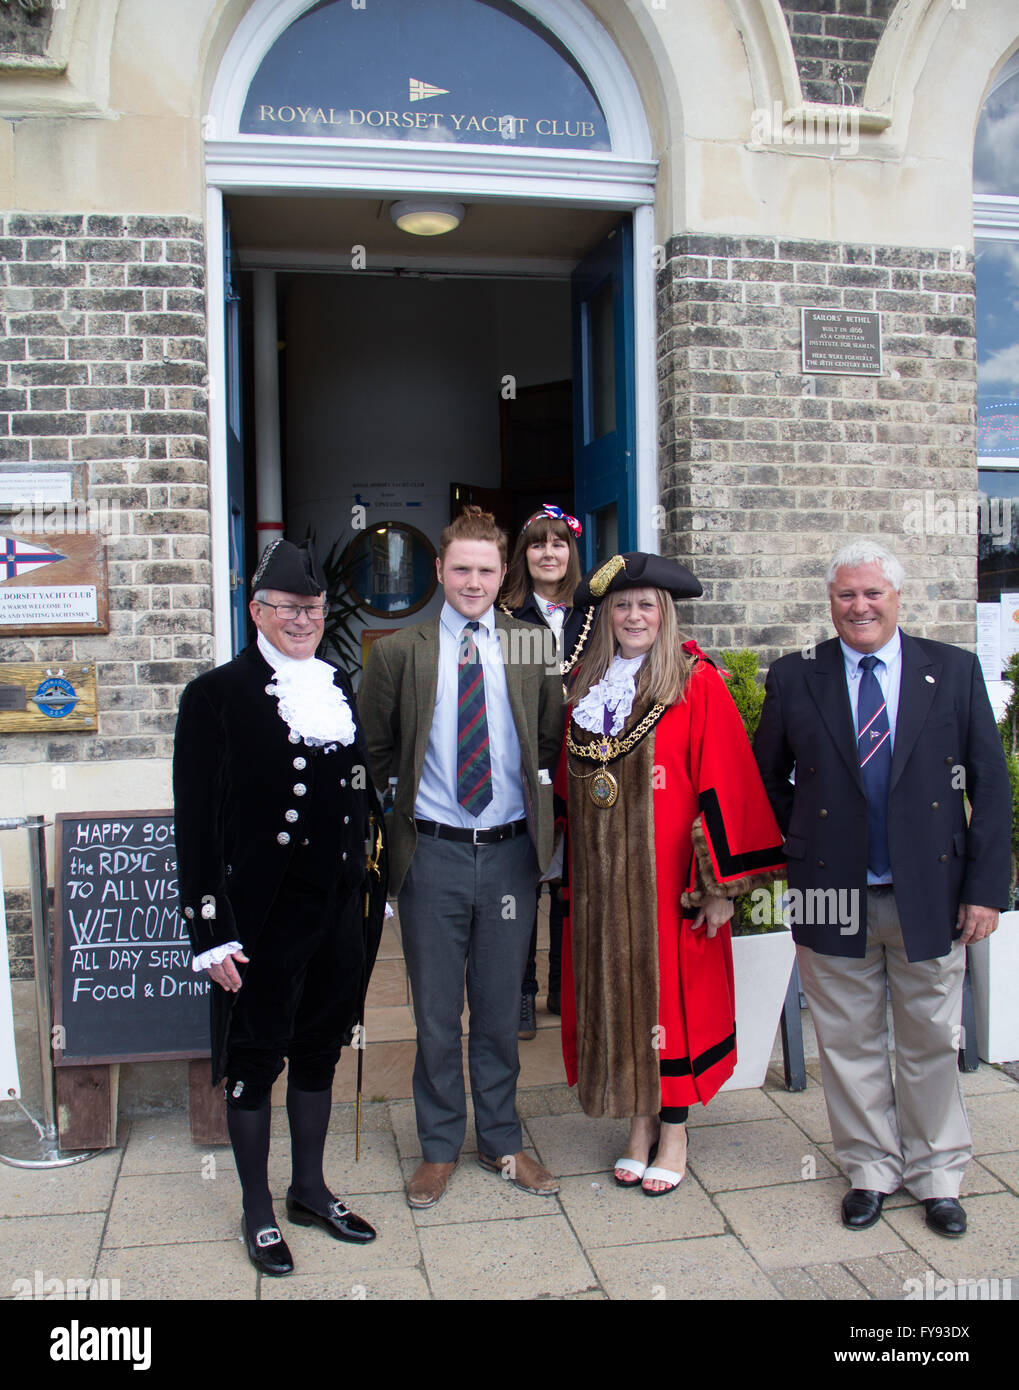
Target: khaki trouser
912, 1132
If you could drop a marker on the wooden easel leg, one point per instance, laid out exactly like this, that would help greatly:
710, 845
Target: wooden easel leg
206, 1106
87, 1106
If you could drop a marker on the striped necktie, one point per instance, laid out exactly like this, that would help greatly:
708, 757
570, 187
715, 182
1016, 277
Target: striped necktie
875, 745
473, 756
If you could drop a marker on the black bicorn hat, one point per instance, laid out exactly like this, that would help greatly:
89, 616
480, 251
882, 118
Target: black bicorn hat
636, 570
290, 569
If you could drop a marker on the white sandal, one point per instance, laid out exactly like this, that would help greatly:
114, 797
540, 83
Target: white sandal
660, 1175
634, 1166
629, 1165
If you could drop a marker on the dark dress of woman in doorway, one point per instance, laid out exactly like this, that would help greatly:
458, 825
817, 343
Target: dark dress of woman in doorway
539, 585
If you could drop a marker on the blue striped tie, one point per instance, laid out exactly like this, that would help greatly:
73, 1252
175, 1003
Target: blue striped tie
473, 756
875, 744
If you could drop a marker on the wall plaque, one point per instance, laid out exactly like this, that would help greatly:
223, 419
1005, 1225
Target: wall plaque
39, 697
52, 583
845, 341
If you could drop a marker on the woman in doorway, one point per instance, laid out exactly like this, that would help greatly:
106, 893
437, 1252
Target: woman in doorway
668, 822
540, 579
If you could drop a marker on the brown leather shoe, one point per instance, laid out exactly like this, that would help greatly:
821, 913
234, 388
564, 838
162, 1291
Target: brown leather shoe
523, 1171
429, 1183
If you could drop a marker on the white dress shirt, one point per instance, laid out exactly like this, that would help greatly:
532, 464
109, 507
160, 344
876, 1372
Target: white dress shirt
889, 677
436, 796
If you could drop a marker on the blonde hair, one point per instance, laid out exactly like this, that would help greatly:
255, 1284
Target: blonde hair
663, 674
473, 524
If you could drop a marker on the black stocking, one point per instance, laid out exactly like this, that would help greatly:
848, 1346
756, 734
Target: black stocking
249, 1135
308, 1112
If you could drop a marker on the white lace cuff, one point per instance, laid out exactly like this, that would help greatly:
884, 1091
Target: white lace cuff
215, 955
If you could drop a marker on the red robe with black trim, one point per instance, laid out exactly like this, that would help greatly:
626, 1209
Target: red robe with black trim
692, 820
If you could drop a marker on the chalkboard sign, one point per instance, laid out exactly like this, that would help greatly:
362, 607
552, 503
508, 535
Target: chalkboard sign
124, 989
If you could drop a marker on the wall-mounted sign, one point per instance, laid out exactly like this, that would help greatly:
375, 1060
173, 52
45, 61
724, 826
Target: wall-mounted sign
844, 341
466, 72
52, 583
19, 491
39, 697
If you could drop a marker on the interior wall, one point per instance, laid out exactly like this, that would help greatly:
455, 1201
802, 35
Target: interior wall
393, 386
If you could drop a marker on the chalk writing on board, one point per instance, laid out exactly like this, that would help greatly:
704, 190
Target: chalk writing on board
127, 986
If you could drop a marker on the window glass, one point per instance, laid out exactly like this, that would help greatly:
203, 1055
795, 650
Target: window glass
996, 149
466, 72
998, 524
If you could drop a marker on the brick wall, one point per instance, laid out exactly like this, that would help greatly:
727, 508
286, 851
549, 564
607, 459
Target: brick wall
762, 480
102, 364
845, 32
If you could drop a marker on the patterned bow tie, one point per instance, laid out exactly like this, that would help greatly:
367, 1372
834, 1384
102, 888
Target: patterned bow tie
552, 607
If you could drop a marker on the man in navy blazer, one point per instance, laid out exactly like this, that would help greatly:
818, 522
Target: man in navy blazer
887, 737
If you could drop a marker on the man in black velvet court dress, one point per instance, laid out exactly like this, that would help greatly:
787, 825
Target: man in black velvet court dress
273, 811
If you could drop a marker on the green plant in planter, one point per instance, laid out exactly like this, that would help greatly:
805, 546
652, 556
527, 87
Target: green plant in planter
1009, 730
750, 918
338, 640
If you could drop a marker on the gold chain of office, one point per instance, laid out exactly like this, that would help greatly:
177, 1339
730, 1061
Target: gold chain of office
604, 789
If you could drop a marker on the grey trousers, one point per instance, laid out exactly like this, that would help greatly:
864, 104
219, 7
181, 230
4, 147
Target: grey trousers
466, 908
911, 1133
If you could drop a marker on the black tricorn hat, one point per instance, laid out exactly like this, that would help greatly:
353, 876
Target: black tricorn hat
290, 569
636, 570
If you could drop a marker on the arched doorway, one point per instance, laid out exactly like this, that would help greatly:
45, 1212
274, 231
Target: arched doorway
325, 115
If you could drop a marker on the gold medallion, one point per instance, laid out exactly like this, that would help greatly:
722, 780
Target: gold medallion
604, 789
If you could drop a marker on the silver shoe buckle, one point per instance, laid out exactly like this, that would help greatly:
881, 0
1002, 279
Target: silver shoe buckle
268, 1235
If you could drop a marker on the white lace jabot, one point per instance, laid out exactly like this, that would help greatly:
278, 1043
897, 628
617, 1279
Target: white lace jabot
314, 708
613, 693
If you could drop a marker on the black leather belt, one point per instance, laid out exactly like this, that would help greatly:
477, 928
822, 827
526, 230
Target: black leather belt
490, 836
880, 887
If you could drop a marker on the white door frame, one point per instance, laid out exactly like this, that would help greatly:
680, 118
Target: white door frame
623, 178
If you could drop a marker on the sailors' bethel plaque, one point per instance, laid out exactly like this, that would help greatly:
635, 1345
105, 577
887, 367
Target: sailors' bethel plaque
847, 341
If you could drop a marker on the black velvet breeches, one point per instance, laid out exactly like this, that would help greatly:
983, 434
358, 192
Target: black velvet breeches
300, 993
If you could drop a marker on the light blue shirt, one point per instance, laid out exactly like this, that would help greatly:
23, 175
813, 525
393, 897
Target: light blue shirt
436, 797
889, 677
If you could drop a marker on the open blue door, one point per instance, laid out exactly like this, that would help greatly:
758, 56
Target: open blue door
234, 447
604, 428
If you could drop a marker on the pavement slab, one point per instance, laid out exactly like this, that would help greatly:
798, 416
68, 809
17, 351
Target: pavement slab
58, 1247
755, 1154
711, 1267
531, 1258
86, 1186
603, 1214
171, 1272
800, 1224
990, 1248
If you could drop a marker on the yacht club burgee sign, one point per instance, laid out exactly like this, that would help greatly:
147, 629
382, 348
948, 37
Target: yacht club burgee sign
481, 72
52, 583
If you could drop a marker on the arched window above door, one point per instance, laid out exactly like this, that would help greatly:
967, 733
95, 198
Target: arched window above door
455, 72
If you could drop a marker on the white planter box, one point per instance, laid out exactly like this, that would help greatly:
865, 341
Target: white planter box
994, 972
762, 966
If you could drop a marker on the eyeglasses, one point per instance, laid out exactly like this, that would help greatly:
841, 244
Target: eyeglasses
287, 612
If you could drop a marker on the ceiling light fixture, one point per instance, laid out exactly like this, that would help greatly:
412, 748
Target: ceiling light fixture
427, 218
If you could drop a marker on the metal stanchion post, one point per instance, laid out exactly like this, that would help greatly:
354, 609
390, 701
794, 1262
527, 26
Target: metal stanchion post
30, 1144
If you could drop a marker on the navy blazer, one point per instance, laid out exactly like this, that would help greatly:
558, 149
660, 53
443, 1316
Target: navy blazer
946, 744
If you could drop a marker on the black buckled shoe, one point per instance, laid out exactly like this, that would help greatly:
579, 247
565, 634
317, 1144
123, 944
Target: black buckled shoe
861, 1208
945, 1217
528, 1018
341, 1223
267, 1250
